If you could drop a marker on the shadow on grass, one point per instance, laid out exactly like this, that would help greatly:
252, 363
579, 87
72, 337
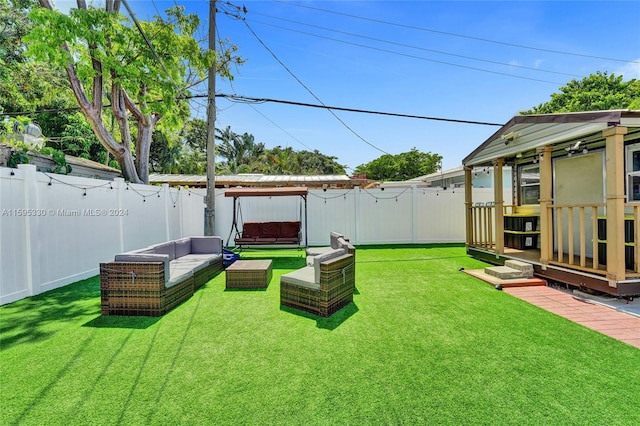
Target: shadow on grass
233, 290
118, 321
329, 323
39, 317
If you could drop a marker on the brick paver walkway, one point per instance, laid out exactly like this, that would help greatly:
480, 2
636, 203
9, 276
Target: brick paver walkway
619, 325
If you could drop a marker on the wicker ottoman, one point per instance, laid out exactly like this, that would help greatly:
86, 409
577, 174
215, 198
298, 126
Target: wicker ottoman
249, 274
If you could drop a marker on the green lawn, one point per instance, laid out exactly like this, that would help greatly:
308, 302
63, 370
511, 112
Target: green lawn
422, 344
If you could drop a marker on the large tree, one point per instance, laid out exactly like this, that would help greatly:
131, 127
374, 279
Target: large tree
239, 151
399, 167
180, 152
25, 85
107, 60
597, 92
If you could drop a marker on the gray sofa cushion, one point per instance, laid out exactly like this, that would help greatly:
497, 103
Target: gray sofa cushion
197, 261
182, 247
179, 273
303, 277
134, 257
206, 245
344, 244
334, 239
323, 258
316, 251
165, 248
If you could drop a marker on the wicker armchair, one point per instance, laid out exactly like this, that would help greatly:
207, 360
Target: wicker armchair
323, 288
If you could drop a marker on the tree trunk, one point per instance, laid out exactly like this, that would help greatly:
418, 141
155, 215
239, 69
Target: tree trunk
93, 111
143, 148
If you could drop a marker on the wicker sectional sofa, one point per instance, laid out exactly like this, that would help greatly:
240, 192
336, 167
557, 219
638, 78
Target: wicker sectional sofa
153, 280
325, 285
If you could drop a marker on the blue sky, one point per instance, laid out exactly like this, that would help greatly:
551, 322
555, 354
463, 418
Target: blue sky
459, 60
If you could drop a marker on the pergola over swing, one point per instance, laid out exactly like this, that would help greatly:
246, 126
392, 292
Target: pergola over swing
267, 233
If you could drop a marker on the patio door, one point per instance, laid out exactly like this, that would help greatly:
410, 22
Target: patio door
578, 180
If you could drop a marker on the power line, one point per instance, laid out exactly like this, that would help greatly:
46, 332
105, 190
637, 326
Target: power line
423, 58
309, 90
272, 122
148, 43
247, 99
395, 44
412, 27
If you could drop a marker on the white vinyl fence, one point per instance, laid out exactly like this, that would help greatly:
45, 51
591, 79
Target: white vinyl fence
55, 230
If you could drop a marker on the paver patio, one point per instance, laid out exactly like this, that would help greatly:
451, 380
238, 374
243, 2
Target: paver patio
619, 325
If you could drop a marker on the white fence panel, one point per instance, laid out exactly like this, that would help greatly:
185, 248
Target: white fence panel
55, 230
385, 216
13, 236
330, 211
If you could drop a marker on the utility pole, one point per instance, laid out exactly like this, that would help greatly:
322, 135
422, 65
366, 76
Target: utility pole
210, 199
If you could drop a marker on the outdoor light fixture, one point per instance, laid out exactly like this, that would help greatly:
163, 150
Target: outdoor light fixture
507, 138
571, 149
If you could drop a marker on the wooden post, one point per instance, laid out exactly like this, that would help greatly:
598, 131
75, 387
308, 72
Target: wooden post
210, 199
615, 197
468, 204
546, 199
498, 197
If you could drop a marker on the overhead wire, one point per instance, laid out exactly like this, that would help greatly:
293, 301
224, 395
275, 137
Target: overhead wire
149, 45
308, 89
272, 122
423, 58
247, 99
413, 27
394, 43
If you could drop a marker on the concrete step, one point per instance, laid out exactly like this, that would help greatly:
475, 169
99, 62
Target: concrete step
504, 272
524, 267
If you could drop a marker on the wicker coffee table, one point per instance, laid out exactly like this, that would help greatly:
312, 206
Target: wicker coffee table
249, 274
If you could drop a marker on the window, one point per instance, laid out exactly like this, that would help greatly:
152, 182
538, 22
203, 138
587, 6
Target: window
633, 172
529, 184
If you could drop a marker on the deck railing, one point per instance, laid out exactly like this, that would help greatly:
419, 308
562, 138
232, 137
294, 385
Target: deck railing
575, 236
635, 213
482, 226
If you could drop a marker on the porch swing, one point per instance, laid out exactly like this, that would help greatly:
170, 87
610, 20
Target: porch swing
267, 233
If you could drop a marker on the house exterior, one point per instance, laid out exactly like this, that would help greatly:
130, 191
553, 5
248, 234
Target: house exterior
256, 180
482, 177
575, 213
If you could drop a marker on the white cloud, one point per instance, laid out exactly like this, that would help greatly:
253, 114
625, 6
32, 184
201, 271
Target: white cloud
629, 70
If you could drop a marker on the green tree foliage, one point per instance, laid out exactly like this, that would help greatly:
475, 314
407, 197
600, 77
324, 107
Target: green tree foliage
399, 167
107, 59
242, 154
24, 83
597, 92
28, 85
183, 152
316, 163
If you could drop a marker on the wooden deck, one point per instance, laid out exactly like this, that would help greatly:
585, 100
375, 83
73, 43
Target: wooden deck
574, 275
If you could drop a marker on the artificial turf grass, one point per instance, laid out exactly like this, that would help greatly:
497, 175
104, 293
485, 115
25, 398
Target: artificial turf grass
422, 343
